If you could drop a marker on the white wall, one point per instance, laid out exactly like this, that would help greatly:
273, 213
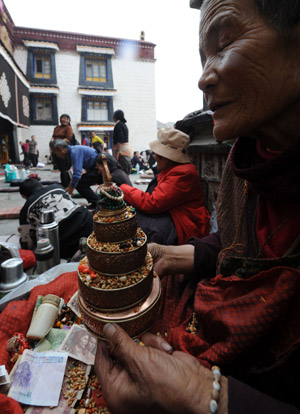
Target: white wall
135, 95
135, 84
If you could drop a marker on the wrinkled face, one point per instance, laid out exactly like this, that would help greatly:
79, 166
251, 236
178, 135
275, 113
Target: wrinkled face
248, 70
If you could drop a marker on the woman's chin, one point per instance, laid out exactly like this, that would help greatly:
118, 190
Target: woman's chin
222, 133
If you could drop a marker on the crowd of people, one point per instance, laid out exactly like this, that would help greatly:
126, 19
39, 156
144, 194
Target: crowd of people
30, 152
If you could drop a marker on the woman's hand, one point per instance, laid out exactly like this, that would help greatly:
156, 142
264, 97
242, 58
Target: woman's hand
147, 379
170, 260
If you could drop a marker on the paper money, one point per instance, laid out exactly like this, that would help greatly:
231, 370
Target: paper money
38, 378
4, 377
73, 304
80, 344
52, 340
71, 392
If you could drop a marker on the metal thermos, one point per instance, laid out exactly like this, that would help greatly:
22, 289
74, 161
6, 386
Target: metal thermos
44, 254
48, 228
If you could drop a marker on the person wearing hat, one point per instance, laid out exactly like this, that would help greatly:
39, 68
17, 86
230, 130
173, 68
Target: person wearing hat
172, 209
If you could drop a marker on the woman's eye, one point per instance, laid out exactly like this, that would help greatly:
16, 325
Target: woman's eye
224, 41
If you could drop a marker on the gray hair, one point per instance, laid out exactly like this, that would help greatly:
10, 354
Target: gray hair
59, 143
282, 15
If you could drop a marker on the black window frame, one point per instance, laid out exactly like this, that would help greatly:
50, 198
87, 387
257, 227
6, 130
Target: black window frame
32, 99
87, 98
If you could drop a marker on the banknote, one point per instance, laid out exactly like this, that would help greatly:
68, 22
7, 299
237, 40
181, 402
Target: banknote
71, 391
80, 344
4, 377
73, 304
38, 378
52, 340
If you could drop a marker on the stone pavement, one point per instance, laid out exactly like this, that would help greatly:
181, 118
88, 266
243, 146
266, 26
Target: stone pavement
11, 201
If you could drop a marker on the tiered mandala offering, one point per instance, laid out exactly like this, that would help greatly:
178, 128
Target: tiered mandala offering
116, 279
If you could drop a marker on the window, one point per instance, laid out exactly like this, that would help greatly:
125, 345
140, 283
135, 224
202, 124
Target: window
96, 110
43, 109
41, 66
95, 70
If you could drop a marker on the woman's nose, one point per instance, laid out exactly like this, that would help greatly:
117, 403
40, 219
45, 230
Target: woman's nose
207, 80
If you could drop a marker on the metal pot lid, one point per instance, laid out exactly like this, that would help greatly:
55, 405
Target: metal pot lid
4, 287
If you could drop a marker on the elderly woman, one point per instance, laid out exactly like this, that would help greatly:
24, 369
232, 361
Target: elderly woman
172, 209
247, 318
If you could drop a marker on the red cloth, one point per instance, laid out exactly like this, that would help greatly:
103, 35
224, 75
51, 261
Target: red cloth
9, 406
178, 191
16, 316
278, 224
28, 258
258, 318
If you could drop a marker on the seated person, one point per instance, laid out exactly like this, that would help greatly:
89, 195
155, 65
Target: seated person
74, 221
149, 160
97, 142
118, 175
138, 160
172, 209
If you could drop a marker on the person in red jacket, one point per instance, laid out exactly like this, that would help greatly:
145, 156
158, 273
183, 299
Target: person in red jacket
172, 210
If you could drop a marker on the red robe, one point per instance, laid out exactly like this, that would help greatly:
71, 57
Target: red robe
179, 192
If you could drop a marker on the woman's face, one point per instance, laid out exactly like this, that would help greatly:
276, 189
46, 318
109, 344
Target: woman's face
162, 162
84, 341
249, 72
64, 120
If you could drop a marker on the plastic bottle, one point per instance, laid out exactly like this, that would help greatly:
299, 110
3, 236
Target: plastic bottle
44, 318
23, 174
48, 228
137, 167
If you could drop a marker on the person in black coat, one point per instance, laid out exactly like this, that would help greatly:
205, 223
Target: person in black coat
121, 149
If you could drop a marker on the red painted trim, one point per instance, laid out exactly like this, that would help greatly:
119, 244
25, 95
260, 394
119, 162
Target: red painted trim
69, 40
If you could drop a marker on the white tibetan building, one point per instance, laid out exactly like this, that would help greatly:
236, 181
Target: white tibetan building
87, 77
